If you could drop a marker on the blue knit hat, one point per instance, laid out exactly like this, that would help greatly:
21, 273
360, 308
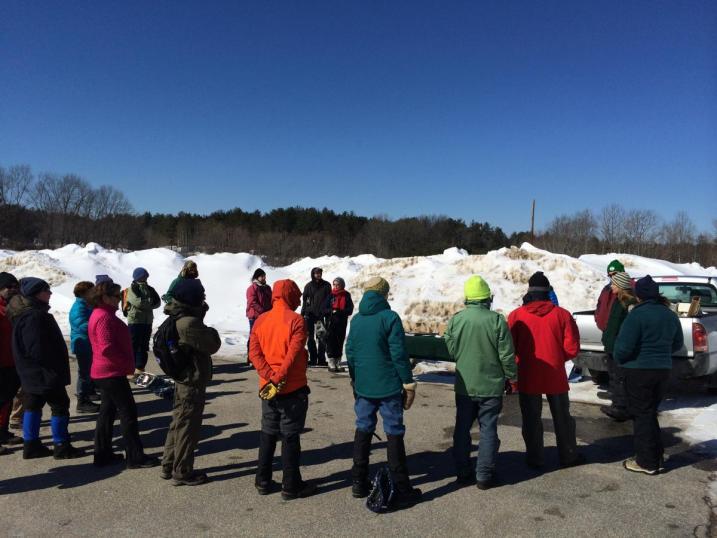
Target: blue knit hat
646, 289
140, 274
30, 286
99, 279
189, 291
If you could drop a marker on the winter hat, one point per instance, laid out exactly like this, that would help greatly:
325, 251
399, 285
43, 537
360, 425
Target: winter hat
30, 286
140, 274
377, 284
646, 288
189, 291
99, 279
615, 266
7, 280
259, 272
341, 281
538, 282
622, 280
476, 289
316, 270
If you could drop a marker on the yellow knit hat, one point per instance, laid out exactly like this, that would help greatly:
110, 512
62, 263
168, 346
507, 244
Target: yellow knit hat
476, 289
377, 284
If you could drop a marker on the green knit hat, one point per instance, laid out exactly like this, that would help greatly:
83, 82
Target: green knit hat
476, 289
615, 267
377, 284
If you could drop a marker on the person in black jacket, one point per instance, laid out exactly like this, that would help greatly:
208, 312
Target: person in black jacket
43, 365
340, 308
314, 308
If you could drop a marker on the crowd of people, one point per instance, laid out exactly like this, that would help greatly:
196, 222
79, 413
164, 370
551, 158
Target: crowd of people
524, 353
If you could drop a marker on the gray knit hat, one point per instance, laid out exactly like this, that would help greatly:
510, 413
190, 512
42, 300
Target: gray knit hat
622, 280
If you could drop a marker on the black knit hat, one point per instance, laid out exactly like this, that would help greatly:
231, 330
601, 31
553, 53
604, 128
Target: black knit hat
259, 272
646, 288
189, 291
7, 280
31, 286
539, 282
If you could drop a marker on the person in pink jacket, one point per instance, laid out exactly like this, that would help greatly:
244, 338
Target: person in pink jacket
112, 362
258, 300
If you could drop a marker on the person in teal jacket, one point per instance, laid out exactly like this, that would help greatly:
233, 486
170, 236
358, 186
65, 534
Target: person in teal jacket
648, 337
480, 342
383, 382
80, 346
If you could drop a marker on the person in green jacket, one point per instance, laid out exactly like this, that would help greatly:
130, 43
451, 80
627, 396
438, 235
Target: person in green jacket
480, 342
142, 299
621, 288
649, 336
189, 271
383, 382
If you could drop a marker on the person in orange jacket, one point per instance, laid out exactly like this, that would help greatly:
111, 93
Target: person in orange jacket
277, 351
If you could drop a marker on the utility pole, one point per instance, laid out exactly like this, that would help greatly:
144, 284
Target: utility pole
532, 223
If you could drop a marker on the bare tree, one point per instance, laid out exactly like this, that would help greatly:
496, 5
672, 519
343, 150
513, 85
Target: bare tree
640, 229
15, 184
612, 226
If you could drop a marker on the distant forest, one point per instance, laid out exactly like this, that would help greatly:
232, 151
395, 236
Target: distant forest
50, 210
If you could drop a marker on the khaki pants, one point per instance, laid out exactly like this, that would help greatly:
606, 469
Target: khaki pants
184, 431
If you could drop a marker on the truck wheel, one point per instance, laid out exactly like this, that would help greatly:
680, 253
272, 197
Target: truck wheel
599, 377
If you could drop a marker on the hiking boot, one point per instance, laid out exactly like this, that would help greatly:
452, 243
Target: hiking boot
486, 484
109, 459
146, 463
618, 414
65, 451
166, 472
305, 489
86, 407
195, 478
579, 460
35, 449
407, 498
631, 465
265, 488
10, 439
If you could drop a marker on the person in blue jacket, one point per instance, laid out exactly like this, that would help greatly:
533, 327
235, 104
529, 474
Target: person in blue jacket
648, 337
80, 346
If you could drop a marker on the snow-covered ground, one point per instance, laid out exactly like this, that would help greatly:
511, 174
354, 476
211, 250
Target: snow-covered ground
425, 290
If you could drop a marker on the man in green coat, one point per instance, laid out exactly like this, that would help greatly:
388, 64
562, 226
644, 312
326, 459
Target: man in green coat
383, 382
142, 299
480, 342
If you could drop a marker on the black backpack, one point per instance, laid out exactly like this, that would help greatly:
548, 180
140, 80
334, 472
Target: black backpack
165, 346
380, 499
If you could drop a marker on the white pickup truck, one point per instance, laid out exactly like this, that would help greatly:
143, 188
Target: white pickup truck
698, 356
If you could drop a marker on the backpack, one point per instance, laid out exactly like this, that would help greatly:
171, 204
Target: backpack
380, 500
165, 346
124, 303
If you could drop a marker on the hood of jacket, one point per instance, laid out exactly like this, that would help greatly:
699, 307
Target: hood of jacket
20, 304
540, 308
372, 303
178, 309
288, 292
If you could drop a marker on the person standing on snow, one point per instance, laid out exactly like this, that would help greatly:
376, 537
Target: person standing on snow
189, 271
9, 380
314, 308
479, 341
545, 337
142, 299
383, 382
258, 301
644, 347
43, 365
341, 308
278, 354
80, 346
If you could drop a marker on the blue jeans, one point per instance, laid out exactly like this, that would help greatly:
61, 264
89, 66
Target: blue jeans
486, 410
391, 410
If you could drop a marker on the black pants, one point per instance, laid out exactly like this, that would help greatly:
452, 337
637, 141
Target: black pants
617, 383
645, 390
531, 408
141, 334
9, 384
57, 399
117, 399
335, 337
316, 356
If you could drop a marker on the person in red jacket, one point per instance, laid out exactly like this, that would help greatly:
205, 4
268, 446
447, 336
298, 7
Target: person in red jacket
278, 354
545, 336
112, 362
9, 380
258, 300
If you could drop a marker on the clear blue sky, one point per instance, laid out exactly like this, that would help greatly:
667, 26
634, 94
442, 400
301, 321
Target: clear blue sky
467, 109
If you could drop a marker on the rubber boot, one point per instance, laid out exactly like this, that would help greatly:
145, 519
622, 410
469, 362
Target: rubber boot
61, 439
359, 472
263, 482
293, 487
405, 495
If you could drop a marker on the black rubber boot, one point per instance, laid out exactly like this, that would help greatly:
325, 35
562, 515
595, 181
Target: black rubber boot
405, 494
263, 482
65, 451
293, 487
360, 486
35, 449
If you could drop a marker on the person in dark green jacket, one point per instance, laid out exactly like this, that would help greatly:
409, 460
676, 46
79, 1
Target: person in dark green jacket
480, 342
383, 382
189, 271
621, 288
649, 336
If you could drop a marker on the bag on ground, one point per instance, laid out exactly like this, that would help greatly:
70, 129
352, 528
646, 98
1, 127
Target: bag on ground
380, 499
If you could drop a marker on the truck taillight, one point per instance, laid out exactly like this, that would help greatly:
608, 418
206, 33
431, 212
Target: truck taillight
699, 338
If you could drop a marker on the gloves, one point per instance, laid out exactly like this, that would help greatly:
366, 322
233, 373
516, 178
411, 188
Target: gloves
270, 390
408, 397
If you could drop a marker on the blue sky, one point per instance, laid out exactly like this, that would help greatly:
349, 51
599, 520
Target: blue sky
467, 109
